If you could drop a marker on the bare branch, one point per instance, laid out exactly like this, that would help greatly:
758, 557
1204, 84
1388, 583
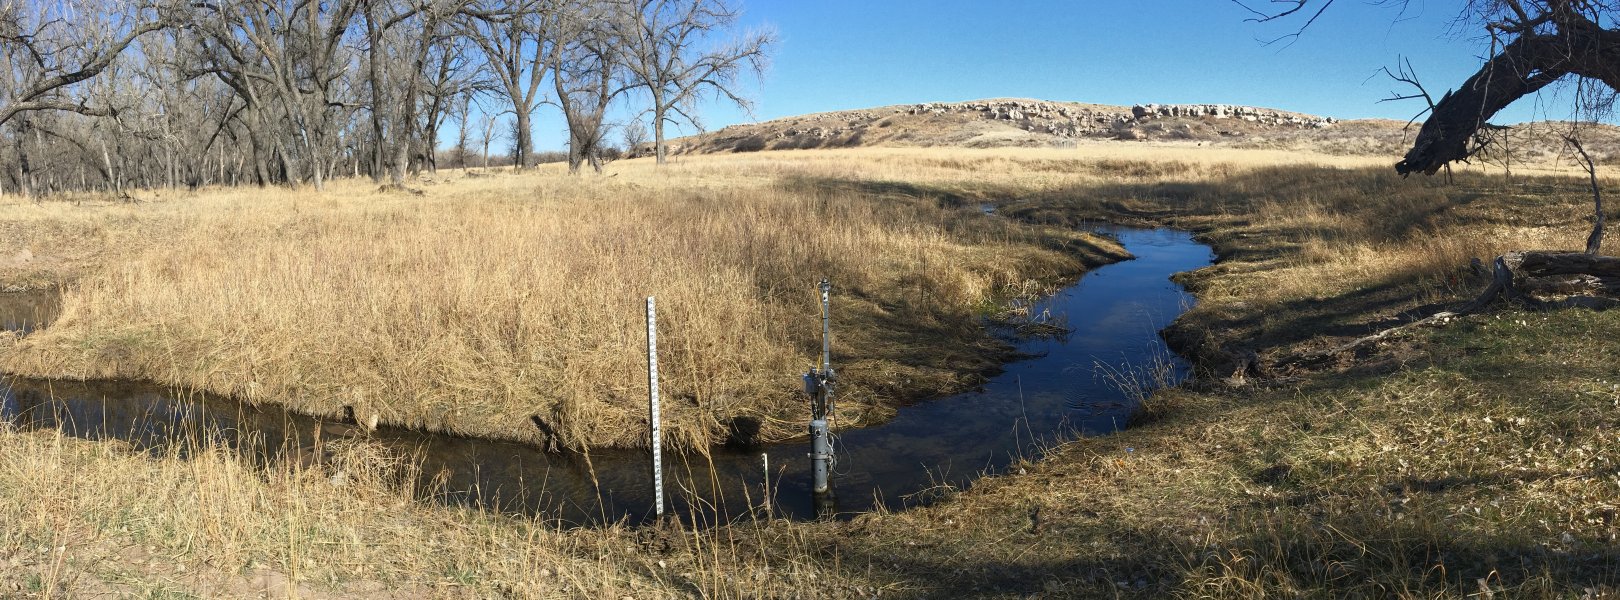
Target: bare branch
1595, 240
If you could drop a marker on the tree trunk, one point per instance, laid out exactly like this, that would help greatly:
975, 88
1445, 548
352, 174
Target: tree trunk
1562, 273
261, 169
524, 141
381, 103
317, 171
660, 147
23, 170
1524, 66
112, 176
576, 155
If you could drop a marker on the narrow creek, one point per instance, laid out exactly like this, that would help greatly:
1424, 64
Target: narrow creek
1083, 383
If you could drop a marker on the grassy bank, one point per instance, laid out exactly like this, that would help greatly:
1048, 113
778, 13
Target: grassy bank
492, 302
1475, 460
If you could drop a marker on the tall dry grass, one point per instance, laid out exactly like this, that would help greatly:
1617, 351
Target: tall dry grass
494, 301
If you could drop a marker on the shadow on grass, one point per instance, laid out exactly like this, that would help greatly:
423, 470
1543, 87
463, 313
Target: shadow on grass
1375, 533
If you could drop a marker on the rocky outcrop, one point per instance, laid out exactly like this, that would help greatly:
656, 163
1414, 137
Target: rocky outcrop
1077, 120
970, 123
1266, 116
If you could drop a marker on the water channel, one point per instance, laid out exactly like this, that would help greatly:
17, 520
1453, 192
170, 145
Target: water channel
1082, 383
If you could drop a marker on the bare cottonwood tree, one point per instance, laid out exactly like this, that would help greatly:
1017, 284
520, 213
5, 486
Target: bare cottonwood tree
669, 52
461, 110
1540, 42
1534, 44
104, 94
46, 48
451, 76
401, 35
486, 136
516, 37
587, 73
287, 58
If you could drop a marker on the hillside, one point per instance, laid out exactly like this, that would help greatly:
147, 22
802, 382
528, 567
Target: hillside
1006, 122
1017, 122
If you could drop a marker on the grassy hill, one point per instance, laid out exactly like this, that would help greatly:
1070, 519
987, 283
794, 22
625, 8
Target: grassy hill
1027, 123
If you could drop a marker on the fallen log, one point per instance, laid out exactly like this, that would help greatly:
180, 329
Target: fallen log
1575, 279
1565, 273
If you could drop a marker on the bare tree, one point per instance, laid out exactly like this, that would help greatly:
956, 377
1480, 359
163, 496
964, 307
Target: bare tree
1534, 44
515, 37
105, 94
450, 77
634, 136
291, 51
46, 48
666, 52
587, 68
1542, 43
461, 109
401, 36
487, 136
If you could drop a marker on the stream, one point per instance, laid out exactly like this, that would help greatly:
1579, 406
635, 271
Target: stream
1084, 383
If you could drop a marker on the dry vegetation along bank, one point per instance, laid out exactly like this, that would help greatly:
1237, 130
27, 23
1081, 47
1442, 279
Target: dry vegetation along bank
1475, 460
497, 302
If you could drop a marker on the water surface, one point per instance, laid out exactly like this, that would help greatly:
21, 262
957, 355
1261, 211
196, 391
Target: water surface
27, 311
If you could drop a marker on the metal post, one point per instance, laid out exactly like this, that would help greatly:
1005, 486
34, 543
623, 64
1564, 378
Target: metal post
765, 460
819, 455
826, 329
819, 384
652, 398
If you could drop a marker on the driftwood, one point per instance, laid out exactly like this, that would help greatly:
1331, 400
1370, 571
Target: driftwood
1583, 280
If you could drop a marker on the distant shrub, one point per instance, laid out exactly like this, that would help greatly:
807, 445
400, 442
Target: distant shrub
541, 158
753, 143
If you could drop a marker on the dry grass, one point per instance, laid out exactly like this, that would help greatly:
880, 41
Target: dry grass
497, 299
87, 519
1475, 460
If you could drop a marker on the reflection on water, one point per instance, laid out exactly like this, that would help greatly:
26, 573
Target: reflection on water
1081, 384
26, 311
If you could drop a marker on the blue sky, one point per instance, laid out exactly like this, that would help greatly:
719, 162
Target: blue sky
845, 54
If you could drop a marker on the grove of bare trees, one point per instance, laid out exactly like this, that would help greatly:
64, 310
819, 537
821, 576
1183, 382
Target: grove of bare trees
112, 94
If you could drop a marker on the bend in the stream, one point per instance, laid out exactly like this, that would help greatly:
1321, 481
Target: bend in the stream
1085, 383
